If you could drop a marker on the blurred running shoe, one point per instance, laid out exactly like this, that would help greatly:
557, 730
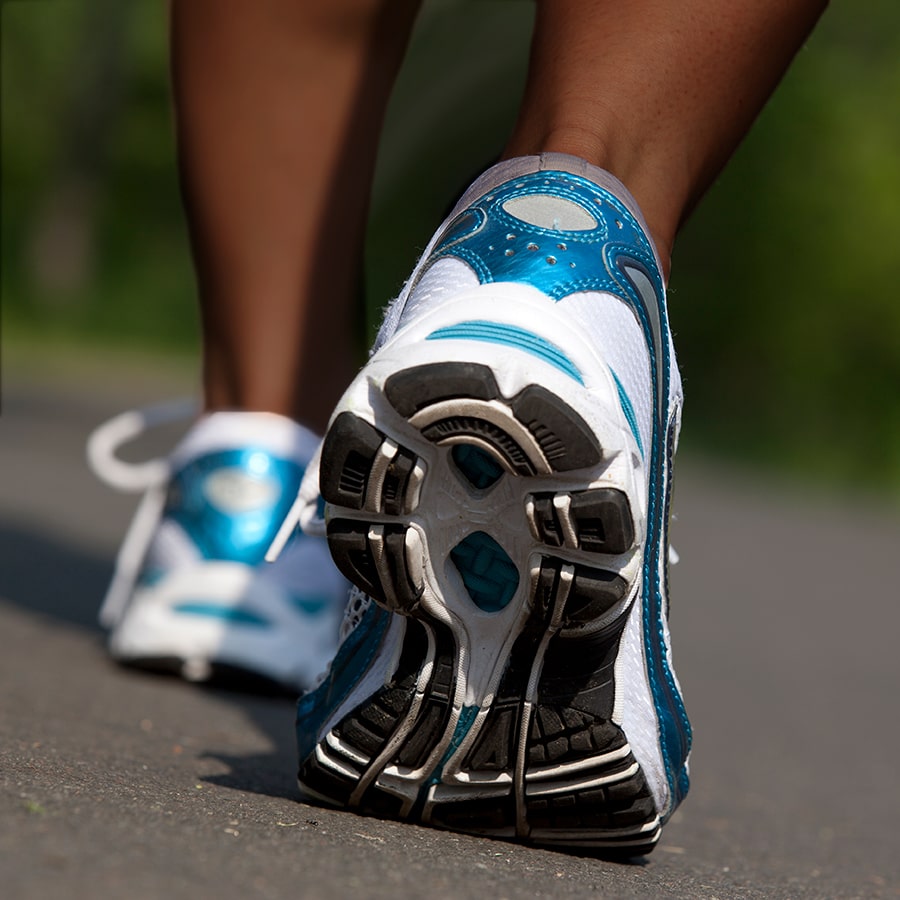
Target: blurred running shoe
191, 593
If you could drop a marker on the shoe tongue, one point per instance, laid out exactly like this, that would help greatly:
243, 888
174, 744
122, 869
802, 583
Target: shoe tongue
234, 491
552, 213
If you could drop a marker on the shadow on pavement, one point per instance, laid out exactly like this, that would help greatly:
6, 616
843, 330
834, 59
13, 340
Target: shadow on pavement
44, 575
269, 774
47, 577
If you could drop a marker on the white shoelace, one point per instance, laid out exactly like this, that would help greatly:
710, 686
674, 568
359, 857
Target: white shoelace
106, 439
150, 476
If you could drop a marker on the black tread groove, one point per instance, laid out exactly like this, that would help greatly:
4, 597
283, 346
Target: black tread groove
470, 426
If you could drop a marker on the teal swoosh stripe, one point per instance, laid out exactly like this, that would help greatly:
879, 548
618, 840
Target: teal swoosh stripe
509, 336
221, 612
628, 409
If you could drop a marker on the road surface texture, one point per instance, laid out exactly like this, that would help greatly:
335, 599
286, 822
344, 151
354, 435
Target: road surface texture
118, 784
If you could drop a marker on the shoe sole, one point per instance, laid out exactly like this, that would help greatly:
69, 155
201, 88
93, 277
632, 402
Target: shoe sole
490, 524
220, 623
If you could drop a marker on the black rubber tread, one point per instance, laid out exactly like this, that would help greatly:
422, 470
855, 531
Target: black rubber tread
579, 674
496, 746
485, 814
368, 728
565, 438
571, 721
347, 455
601, 517
407, 593
432, 721
593, 592
434, 715
413, 389
349, 545
561, 734
624, 805
546, 520
348, 541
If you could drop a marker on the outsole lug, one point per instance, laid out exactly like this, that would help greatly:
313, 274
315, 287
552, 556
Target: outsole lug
565, 438
348, 542
361, 468
368, 729
598, 520
561, 437
411, 390
377, 558
348, 454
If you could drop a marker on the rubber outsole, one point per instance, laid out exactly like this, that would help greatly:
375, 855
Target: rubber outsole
529, 751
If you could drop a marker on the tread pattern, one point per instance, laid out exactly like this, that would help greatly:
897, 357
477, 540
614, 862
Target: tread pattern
564, 438
377, 559
598, 520
362, 469
549, 764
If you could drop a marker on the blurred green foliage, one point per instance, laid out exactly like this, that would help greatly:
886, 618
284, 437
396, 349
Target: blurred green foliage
784, 294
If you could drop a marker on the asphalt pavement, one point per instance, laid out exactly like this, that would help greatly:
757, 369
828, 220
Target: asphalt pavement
117, 784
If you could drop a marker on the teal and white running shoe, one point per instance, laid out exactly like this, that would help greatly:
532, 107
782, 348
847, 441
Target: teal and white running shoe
497, 482
191, 593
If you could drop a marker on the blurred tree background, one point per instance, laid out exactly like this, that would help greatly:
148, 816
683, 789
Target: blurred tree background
784, 293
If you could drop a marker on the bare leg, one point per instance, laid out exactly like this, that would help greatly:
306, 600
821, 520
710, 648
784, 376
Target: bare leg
656, 92
279, 106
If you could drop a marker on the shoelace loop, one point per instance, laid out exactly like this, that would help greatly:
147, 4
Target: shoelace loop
106, 439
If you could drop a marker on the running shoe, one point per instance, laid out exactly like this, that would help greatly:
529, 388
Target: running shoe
497, 482
191, 593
